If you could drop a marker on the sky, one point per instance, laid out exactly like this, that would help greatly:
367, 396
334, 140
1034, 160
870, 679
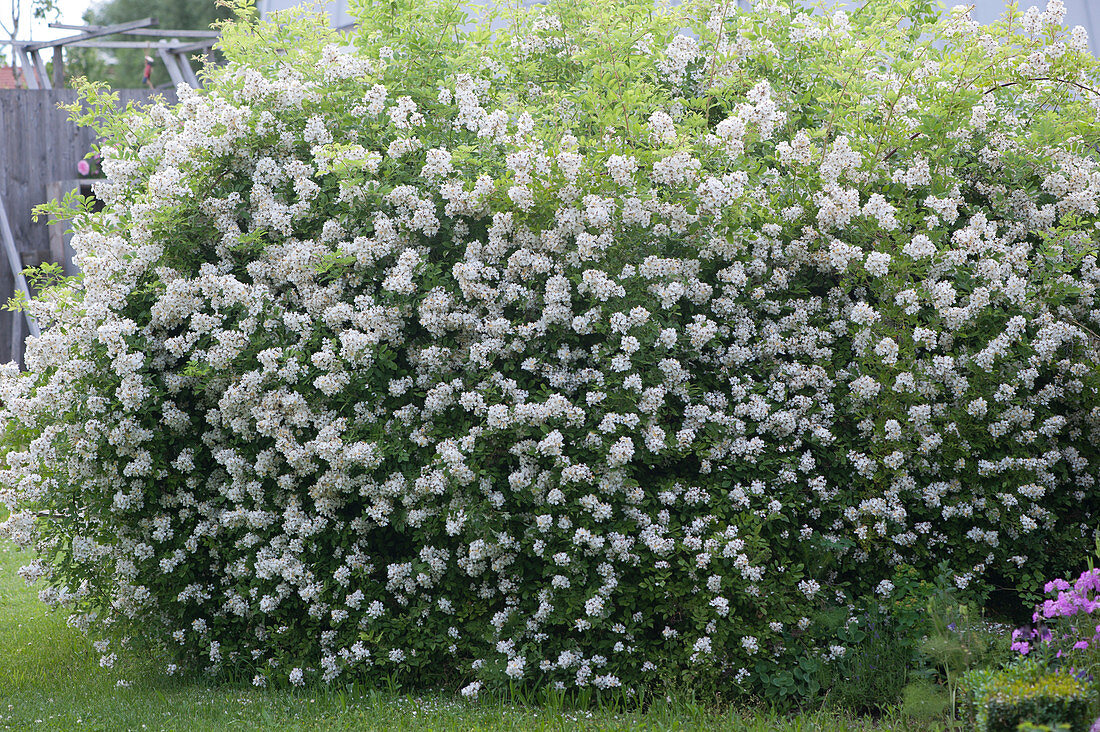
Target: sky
71, 10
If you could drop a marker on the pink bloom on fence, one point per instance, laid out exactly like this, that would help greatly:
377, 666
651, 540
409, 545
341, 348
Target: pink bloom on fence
83, 167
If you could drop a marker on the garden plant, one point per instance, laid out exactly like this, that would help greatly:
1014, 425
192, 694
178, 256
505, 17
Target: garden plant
622, 344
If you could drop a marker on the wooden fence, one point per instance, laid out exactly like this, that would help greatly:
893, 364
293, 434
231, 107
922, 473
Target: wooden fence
39, 146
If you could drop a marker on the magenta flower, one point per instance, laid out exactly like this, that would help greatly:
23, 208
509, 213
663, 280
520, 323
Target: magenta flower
83, 167
1060, 584
1060, 637
1088, 581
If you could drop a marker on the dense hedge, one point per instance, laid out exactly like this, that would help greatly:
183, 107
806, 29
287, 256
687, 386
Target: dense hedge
588, 352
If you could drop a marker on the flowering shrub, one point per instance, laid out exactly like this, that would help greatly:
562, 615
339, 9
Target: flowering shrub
1067, 626
588, 352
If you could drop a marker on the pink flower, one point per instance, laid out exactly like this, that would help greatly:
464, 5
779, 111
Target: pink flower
1081, 645
1060, 584
1088, 581
83, 167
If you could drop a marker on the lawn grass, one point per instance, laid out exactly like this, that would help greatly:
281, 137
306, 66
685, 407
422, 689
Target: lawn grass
50, 679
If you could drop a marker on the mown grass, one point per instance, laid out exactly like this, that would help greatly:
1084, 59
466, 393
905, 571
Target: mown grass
50, 679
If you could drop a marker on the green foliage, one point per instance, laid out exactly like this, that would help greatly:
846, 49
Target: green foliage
1054, 699
912, 649
925, 702
959, 641
875, 670
1025, 691
52, 679
793, 682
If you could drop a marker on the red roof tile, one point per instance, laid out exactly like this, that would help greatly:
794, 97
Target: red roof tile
8, 79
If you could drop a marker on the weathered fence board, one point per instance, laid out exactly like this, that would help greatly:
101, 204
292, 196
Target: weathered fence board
39, 145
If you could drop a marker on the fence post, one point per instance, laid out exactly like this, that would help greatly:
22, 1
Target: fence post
58, 68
